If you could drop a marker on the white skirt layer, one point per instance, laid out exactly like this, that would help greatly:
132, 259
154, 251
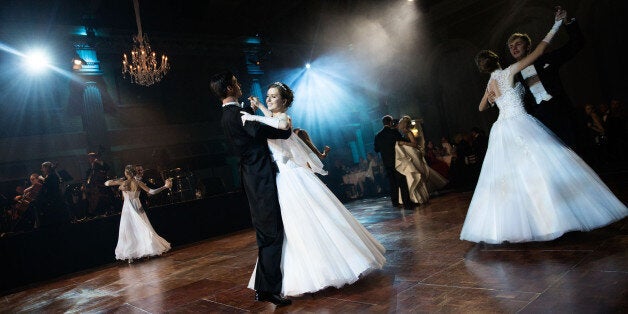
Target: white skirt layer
534, 188
136, 236
324, 245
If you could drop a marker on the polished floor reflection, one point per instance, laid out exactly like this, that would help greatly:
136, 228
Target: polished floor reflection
428, 269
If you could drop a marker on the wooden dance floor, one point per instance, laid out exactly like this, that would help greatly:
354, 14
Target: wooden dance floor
428, 269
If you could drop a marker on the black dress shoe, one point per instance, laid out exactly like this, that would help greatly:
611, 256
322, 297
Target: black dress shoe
272, 298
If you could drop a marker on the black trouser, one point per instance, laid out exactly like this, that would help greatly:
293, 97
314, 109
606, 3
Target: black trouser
398, 182
261, 192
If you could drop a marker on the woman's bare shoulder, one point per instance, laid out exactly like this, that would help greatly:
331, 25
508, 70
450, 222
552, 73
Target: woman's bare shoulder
281, 115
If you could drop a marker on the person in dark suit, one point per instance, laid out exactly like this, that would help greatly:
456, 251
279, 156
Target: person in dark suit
385, 141
48, 203
545, 96
99, 197
258, 174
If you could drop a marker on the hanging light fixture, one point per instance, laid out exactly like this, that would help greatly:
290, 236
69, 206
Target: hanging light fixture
143, 67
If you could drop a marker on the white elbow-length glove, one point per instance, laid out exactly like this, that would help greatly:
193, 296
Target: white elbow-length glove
552, 32
272, 122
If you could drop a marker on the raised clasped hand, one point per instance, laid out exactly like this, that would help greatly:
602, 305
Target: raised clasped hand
560, 14
168, 183
254, 102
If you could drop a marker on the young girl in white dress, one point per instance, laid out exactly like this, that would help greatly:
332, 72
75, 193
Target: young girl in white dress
136, 236
532, 187
324, 245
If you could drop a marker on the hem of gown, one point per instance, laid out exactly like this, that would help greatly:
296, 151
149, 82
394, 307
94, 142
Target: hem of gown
549, 237
337, 285
141, 256
545, 237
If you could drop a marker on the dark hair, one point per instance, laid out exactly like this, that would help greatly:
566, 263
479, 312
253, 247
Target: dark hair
487, 61
219, 83
387, 120
285, 92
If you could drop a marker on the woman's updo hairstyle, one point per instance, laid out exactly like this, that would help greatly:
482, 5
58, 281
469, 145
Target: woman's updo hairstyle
487, 61
285, 91
405, 123
130, 169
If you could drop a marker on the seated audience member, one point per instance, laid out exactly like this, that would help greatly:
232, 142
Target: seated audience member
479, 144
595, 139
446, 146
374, 181
24, 215
13, 211
431, 156
460, 171
334, 180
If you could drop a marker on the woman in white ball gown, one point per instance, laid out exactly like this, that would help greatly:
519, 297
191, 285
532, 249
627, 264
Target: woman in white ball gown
136, 236
324, 246
532, 187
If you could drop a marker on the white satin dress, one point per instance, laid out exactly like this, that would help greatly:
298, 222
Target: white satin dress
532, 187
136, 236
324, 245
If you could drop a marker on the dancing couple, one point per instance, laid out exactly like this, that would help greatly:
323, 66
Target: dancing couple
307, 240
532, 187
136, 236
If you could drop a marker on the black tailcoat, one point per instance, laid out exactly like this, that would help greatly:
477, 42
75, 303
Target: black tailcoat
558, 114
258, 172
385, 141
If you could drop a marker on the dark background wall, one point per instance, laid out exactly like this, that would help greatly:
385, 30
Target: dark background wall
430, 76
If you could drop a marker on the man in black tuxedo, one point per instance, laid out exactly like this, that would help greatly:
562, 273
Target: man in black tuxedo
258, 172
545, 96
384, 143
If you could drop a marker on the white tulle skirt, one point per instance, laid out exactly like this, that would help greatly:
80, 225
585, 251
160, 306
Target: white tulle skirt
136, 236
534, 188
324, 245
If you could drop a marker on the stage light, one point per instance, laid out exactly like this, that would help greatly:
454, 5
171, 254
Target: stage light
307, 65
36, 61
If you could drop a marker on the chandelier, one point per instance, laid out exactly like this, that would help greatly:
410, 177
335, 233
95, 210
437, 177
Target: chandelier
143, 67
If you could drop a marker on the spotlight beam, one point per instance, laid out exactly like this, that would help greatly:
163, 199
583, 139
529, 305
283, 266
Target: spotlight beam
54, 68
